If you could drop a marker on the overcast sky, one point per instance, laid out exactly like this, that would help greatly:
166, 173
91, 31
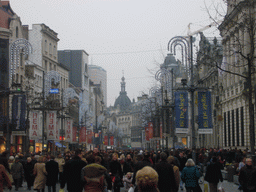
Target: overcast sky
119, 35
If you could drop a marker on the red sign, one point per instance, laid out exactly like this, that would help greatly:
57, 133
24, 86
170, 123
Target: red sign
105, 140
89, 136
111, 140
150, 130
146, 134
74, 135
82, 135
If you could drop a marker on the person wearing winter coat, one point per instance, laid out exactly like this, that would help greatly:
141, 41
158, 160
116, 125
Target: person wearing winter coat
4, 179
40, 175
147, 180
52, 169
247, 176
17, 173
166, 180
213, 174
171, 160
190, 175
128, 181
28, 173
115, 171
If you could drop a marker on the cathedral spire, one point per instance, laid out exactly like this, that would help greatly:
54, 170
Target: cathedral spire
123, 84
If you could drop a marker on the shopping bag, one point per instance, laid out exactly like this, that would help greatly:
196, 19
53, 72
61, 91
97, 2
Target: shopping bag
221, 189
205, 187
131, 189
61, 190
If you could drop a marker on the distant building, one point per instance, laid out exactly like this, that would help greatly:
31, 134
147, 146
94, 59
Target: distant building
98, 75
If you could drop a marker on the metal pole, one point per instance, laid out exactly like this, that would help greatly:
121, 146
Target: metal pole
173, 124
62, 116
43, 114
192, 89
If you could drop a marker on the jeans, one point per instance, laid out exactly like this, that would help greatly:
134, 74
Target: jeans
52, 188
181, 182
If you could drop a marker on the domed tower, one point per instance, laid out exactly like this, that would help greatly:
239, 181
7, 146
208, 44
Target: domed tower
123, 101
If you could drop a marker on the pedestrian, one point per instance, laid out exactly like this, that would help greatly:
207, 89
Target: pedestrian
247, 176
190, 175
17, 173
171, 160
166, 180
128, 181
115, 171
213, 175
147, 180
28, 173
52, 169
40, 175
128, 165
182, 161
72, 173
4, 179
61, 162
142, 162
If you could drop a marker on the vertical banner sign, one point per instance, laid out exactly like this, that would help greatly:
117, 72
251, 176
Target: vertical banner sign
111, 140
89, 137
74, 132
51, 125
57, 130
150, 130
181, 109
204, 113
146, 133
156, 129
34, 132
82, 135
18, 114
105, 140
69, 125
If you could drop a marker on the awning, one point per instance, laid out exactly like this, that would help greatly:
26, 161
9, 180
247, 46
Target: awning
59, 145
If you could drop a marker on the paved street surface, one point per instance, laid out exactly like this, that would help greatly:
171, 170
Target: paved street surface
228, 186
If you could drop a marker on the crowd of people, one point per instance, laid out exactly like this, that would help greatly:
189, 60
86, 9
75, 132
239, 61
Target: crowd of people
143, 171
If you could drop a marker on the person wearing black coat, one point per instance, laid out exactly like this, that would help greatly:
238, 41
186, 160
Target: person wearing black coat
213, 175
72, 173
142, 162
28, 173
52, 168
128, 165
115, 171
166, 180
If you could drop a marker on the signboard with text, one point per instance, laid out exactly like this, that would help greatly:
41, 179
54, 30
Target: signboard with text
181, 110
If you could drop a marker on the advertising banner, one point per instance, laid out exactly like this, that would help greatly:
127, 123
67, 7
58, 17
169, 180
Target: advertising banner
146, 133
181, 112
35, 132
89, 136
105, 140
111, 140
204, 113
82, 135
19, 114
68, 132
58, 127
51, 124
150, 130
161, 130
74, 133
156, 127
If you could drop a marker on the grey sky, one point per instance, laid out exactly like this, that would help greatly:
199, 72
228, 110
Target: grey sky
129, 35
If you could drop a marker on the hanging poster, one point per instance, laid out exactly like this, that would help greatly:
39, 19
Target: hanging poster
161, 130
181, 112
51, 125
57, 130
35, 132
147, 133
204, 113
150, 130
82, 135
89, 136
111, 140
74, 133
68, 132
19, 115
105, 140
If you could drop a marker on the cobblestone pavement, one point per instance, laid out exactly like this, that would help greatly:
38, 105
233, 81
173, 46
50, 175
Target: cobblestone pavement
228, 186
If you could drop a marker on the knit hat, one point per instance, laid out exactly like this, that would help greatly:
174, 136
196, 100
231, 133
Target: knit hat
94, 170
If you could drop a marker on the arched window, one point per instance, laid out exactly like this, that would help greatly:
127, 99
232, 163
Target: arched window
45, 46
50, 48
17, 32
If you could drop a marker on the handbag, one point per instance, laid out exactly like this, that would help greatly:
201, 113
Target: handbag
131, 189
118, 182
